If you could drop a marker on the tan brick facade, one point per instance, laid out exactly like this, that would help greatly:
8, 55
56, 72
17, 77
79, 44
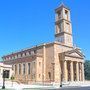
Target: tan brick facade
50, 62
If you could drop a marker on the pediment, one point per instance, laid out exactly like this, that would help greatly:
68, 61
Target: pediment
74, 53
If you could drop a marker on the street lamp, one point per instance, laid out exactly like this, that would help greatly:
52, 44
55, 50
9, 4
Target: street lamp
3, 87
5, 75
61, 80
61, 73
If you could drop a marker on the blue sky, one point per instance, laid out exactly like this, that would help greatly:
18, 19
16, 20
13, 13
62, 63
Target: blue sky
25, 23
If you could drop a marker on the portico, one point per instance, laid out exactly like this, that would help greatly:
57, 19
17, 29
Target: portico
72, 67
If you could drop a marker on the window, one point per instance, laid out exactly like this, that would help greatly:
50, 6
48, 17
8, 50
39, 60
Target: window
19, 68
59, 15
23, 54
66, 14
58, 28
49, 75
27, 53
28, 68
33, 77
35, 51
32, 52
12, 57
39, 63
23, 68
6, 58
15, 69
39, 75
9, 58
19, 55
15, 56
67, 27
34, 64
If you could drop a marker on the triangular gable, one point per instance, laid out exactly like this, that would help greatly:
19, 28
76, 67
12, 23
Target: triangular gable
74, 53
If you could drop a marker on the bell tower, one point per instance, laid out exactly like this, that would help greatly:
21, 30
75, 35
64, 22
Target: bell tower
63, 27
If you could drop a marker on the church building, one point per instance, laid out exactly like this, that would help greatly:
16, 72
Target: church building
58, 61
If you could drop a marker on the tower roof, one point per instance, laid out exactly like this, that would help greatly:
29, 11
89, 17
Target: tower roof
62, 5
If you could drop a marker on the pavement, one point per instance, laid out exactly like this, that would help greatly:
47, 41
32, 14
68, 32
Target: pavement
66, 86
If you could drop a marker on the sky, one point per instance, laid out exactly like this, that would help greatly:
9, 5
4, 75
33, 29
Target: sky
26, 23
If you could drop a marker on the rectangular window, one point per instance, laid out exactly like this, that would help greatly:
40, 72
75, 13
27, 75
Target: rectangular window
67, 27
19, 68
28, 68
23, 68
59, 15
39, 75
15, 69
35, 51
34, 64
39, 64
66, 14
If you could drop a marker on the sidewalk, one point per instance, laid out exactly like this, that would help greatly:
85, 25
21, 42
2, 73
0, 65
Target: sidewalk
16, 86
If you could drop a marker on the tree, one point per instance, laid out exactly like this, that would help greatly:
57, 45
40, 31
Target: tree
87, 69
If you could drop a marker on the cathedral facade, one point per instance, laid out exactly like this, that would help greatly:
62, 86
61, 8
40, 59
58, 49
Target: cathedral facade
57, 61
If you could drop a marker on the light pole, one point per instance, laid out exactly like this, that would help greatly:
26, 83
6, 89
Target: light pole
3, 87
61, 80
61, 73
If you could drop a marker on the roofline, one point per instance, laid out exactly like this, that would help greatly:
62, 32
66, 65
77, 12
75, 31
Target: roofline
61, 6
37, 46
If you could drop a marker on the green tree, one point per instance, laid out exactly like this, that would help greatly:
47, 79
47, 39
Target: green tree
87, 69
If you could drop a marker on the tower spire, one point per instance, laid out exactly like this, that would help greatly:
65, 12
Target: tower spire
63, 30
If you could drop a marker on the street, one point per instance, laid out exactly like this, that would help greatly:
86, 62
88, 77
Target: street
73, 88
64, 88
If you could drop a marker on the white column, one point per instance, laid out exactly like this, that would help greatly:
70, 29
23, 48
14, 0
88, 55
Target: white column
71, 69
65, 71
80, 74
82, 71
77, 71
